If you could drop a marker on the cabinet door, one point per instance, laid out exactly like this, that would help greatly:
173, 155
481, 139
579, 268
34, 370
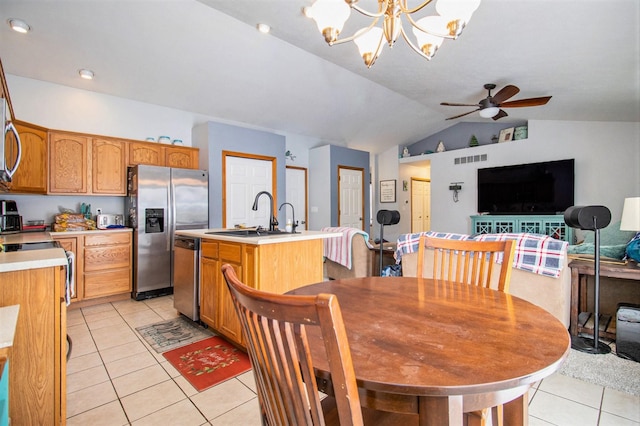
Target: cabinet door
146, 153
228, 321
181, 157
209, 270
109, 167
68, 163
31, 175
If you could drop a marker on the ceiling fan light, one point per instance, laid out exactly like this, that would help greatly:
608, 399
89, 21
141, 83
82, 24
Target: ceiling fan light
369, 42
19, 26
330, 16
489, 112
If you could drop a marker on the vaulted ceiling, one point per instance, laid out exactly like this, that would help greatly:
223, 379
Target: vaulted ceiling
208, 58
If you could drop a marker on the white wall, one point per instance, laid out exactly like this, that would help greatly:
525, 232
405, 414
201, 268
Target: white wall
607, 159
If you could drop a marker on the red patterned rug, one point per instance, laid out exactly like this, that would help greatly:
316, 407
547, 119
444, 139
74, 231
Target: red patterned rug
208, 362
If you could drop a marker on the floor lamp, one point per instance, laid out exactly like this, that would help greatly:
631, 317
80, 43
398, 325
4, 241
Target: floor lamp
590, 218
386, 217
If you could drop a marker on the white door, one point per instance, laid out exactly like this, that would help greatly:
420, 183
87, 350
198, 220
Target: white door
297, 195
245, 177
420, 205
351, 194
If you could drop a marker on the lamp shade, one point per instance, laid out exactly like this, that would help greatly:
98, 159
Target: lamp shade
329, 14
630, 215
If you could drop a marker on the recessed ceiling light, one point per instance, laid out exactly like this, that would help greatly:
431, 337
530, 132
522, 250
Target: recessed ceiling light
19, 25
264, 28
86, 74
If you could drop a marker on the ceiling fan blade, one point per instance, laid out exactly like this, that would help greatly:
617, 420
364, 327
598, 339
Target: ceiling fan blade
454, 104
505, 93
526, 102
499, 115
462, 115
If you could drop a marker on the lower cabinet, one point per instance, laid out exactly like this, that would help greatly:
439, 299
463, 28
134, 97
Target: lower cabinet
103, 265
37, 377
277, 268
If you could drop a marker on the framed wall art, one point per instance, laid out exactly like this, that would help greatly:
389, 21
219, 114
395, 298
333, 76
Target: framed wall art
506, 134
388, 191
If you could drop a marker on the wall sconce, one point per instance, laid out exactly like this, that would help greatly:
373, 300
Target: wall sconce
289, 155
455, 187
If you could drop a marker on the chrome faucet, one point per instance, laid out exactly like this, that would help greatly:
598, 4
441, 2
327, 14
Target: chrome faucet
273, 223
294, 224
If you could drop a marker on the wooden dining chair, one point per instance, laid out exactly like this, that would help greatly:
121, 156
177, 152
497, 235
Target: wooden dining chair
469, 262
275, 327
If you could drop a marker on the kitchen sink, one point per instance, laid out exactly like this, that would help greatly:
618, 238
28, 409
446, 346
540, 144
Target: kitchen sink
249, 232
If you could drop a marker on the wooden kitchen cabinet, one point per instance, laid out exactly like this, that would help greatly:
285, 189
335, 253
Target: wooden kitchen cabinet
103, 264
108, 167
31, 175
268, 267
68, 163
146, 153
107, 264
37, 377
181, 156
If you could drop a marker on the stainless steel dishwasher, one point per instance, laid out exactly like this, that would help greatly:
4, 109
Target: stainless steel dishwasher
186, 276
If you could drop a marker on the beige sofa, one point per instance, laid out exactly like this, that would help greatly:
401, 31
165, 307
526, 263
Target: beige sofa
361, 262
551, 294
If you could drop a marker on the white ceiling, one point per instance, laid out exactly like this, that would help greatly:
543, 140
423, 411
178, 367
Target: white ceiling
208, 58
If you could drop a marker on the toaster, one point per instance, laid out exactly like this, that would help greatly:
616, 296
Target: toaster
104, 221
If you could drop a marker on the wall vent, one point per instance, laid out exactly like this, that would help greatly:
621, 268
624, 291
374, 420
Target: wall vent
470, 159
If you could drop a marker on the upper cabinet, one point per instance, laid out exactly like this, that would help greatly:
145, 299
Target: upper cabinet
108, 166
181, 157
31, 175
68, 163
151, 154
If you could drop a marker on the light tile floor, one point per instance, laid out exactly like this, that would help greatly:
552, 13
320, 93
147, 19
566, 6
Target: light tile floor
115, 378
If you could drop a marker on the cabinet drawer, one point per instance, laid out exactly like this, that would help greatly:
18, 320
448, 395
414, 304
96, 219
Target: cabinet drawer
100, 258
231, 252
209, 249
97, 284
107, 238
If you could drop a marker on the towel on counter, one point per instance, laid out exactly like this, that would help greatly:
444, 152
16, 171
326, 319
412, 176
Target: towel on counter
70, 285
339, 249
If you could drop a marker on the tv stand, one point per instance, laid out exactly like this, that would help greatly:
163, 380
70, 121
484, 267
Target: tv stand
551, 225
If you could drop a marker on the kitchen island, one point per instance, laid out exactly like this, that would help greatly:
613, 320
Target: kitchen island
35, 280
274, 263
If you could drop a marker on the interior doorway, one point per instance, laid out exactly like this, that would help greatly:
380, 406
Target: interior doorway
244, 176
296, 180
351, 197
420, 205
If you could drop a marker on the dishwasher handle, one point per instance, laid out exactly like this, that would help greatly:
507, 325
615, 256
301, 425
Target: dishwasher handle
187, 243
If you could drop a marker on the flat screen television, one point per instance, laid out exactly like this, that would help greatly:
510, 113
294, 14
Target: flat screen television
534, 188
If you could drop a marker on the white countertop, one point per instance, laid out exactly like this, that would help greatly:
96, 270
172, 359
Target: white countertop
266, 239
8, 320
30, 259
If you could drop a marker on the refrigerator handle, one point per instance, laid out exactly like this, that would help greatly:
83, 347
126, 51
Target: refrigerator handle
171, 210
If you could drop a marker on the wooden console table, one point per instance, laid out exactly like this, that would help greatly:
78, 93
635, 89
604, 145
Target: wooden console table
580, 270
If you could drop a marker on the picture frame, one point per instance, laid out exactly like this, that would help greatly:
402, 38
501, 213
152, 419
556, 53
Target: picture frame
506, 134
388, 191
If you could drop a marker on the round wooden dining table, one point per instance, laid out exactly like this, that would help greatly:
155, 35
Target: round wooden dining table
440, 349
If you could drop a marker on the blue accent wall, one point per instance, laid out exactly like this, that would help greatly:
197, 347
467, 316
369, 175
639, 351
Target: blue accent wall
225, 137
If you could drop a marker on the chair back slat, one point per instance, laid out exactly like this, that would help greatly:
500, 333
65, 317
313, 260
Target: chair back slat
275, 328
468, 262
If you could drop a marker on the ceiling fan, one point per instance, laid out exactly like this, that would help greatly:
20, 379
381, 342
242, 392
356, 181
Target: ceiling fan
491, 106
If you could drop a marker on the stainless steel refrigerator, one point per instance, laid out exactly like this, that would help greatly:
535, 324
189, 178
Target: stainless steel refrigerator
162, 200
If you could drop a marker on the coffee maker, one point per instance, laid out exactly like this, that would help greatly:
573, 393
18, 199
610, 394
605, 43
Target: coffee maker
10, 220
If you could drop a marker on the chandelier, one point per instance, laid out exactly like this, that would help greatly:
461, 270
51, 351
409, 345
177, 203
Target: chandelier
430, 31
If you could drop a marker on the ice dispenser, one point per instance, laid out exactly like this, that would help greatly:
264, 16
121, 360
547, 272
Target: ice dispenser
153, 221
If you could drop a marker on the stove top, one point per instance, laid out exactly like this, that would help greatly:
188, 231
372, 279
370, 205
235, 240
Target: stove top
30, 246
